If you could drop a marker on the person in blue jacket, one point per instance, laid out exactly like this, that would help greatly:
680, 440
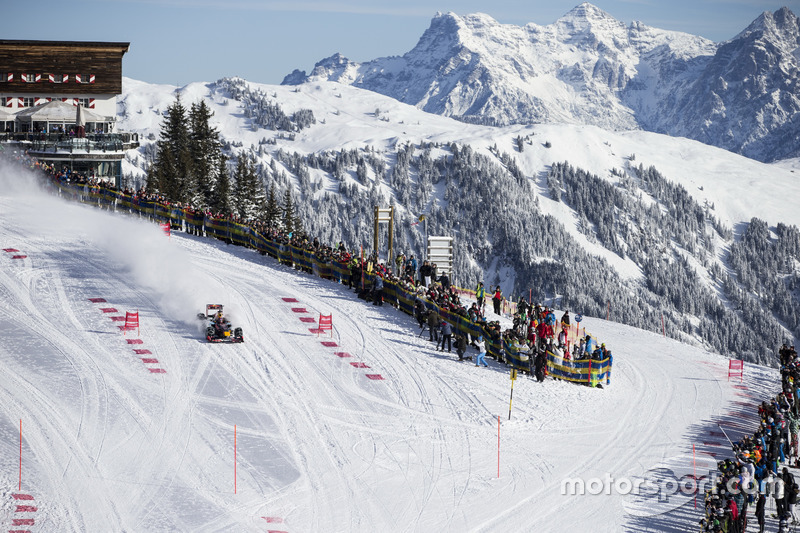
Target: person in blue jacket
590, 346
411, 267
377, 290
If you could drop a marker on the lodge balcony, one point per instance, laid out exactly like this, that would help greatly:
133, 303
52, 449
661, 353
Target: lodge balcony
49, 145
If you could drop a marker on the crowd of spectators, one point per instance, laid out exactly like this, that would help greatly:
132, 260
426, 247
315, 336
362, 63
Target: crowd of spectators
759, 469
535, 330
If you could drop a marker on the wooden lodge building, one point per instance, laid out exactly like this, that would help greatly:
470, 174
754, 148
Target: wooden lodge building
58, 101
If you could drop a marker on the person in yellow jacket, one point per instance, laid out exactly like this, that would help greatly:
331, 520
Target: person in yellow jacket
480, 294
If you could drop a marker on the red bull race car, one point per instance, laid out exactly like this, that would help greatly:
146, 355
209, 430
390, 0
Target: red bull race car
218, 328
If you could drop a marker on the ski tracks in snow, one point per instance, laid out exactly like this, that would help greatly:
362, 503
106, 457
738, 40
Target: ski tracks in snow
319, 444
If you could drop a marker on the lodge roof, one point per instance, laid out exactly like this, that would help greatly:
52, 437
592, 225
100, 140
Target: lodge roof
66, 44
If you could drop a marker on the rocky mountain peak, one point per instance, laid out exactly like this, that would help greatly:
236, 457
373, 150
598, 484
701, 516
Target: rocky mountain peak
781, 24
589, 68
588, 17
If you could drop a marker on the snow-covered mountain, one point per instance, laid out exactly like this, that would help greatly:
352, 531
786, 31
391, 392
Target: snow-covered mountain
589, 68
633, 224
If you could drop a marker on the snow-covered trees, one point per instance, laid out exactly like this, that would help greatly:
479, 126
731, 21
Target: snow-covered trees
189, 161
488, 204
262, 111
290, 221
248, 194
734, 303
220, 201
171, 173
272, 210
206, 153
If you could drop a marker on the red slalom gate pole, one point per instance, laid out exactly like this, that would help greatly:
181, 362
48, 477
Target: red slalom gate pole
234, 458
694, 476
498, 446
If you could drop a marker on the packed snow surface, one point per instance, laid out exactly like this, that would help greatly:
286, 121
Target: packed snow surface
281, 433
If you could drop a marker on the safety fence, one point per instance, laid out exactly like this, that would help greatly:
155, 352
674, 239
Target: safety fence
587, 371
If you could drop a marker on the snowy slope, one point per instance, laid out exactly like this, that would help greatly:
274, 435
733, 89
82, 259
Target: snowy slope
108, 445
740, 188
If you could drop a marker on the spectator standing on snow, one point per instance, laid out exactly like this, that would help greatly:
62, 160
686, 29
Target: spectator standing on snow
480, 294
411, 267
444, 279
762, 500
590, 346
461, 345
447, 335
399, 264
420, 312
550, 318
433, 325
779, 496
480, 344
578, 351
790, 499
377, 290
565, 322
497, 299
562, 339
425, 273
540, 364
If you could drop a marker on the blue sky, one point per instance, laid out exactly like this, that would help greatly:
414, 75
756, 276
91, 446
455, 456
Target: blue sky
181, 41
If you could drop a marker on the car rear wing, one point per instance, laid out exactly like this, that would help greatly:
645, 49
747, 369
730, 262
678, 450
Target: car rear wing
211, 309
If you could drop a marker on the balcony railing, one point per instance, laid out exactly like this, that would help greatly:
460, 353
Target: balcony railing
65, 143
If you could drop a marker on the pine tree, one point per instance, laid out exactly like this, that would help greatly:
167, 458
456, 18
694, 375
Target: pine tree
272, 211
206, 153
173, 163
290, 220
151, 179
248, 195
220, 202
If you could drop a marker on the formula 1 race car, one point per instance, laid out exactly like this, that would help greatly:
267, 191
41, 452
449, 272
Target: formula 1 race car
219, 328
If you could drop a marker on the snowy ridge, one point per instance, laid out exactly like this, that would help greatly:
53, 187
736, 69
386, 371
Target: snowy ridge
348, 161
589, 68
320, 447
346, 120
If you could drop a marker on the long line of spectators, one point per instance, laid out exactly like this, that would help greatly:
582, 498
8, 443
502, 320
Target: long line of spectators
535, 330
760, 467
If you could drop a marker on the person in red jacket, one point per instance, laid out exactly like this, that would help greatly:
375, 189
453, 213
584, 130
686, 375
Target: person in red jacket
544, 331
497, 299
